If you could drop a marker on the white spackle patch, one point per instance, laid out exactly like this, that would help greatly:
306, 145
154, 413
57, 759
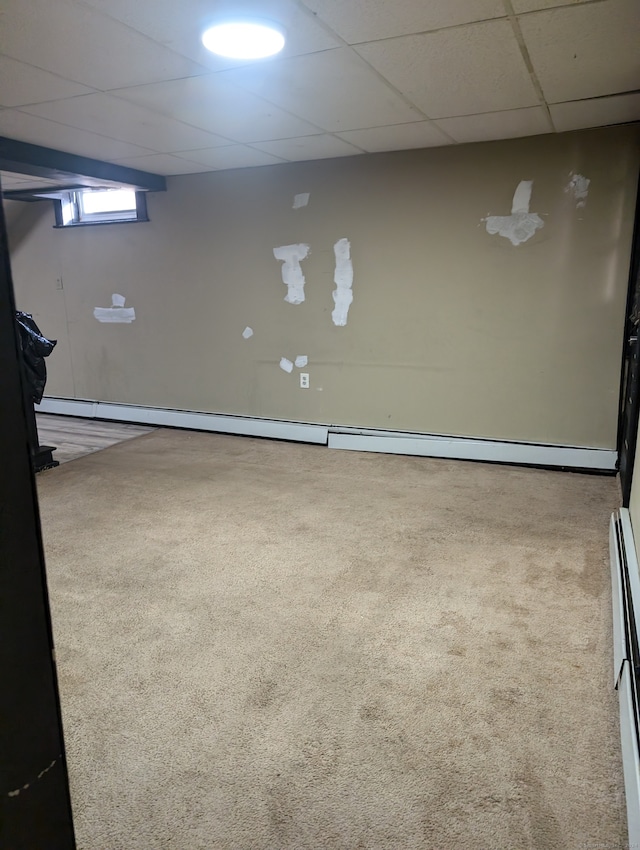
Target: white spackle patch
343, 278
292, 276
578, 186
117, 312
247, 333
521, 224
301, 360
300, 200
286, 365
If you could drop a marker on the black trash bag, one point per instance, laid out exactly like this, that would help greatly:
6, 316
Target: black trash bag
35, 348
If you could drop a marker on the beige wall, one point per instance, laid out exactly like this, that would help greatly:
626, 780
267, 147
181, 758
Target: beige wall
451, 330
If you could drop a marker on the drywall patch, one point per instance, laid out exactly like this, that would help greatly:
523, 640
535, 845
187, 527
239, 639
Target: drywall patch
286, 365
117, 312
247, 333
300, 200
292, 276
578, 186
521, 224
301, 360
343, 278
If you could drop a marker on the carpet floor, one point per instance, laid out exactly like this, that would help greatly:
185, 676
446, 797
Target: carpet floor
271, 646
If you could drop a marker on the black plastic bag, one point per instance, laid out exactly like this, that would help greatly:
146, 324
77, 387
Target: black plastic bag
35, 348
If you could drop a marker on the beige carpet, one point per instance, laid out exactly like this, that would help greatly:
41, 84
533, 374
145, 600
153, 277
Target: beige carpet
282, 647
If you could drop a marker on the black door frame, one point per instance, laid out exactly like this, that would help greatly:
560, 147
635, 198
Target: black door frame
629, 404
35, 805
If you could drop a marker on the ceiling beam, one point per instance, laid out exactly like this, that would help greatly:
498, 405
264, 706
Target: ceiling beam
23, 158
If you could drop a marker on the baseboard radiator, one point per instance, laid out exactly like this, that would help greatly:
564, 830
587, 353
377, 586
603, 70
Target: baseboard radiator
625, 585
345, 437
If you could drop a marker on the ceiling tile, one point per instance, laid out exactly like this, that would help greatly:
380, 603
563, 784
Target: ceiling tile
9, 185
77, 42
456, 61
10, 181
497, 125
215, 105
335, 90
234, 156
163, 163
585, 50
179, 25
422, 134
459, 71
21, 84
369, 20
39, 131
535, 5
308, 147
597, 112
108, 115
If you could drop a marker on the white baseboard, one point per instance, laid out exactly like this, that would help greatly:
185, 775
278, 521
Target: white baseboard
628, 540
467, 448
626, 607
68, 407
616, 560
340, 437
245, 426
630, 756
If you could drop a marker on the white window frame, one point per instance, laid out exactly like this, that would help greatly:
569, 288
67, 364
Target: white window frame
70, 210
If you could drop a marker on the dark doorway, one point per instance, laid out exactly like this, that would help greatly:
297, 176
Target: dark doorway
35, 809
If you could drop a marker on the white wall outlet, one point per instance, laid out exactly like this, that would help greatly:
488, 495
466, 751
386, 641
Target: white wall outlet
304, 380
58, 283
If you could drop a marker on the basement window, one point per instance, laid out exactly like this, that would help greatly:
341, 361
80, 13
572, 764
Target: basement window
100, 206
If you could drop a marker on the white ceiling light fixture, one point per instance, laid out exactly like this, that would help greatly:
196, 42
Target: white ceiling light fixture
244, 39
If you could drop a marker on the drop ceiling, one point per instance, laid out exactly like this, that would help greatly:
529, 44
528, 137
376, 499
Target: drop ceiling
14, 182
128, 81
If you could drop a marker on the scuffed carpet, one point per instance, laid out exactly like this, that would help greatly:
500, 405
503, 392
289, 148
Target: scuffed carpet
284, 647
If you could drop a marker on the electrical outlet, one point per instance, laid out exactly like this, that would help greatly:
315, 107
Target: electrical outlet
58, 283
304, 380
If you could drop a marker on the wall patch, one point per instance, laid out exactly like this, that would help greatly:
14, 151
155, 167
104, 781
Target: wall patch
300, 200
343, 278
286, 365
301, 360
247, 333
292, 276
117, 312
578, 186
521, 224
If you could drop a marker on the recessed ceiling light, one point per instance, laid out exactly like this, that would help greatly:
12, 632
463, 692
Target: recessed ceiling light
244, 39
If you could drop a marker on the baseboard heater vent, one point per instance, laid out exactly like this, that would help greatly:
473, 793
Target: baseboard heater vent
625, 585
245, 426
343, 437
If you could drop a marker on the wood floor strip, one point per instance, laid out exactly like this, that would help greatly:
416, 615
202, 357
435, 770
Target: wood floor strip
75, 437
